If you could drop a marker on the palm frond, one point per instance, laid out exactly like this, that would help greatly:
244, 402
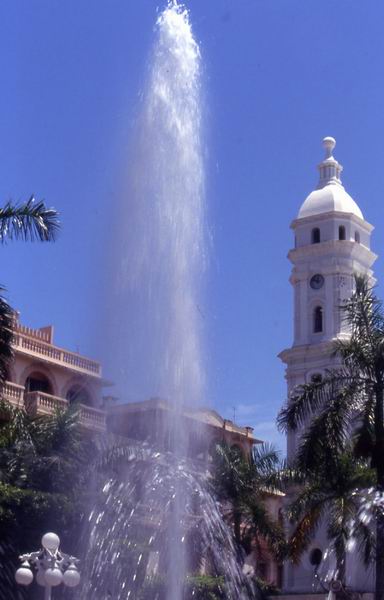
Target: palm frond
366, 540
118, 452
7, 319
286, 477
329, 432
28, 221
266, 458
308, 398
259, 523
305, 530
15, 427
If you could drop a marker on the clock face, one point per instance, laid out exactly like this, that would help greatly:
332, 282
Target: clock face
317, 281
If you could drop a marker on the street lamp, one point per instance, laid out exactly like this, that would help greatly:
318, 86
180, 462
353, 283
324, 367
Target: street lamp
53, 567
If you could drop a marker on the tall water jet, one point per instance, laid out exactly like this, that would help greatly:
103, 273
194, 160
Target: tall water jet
158, 320
165, 253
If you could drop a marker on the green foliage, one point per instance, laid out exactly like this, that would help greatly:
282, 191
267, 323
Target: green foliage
242, 485
204, 587
43, 481
7, 317
333, 495
265, 589
196, 587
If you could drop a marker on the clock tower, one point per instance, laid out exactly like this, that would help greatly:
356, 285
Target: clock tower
332, 243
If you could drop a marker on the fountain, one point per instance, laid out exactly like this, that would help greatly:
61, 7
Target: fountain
155, 519
161, 254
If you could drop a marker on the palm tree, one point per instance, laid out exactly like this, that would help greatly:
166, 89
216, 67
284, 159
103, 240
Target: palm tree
331, 496
242, 485
27, 221
348, 403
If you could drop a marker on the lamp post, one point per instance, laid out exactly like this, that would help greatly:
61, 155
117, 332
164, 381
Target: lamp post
52, 567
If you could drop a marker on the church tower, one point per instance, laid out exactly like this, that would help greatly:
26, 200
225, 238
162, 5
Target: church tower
332, 243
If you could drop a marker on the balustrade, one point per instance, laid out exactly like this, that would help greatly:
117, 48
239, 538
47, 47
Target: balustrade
14, 393
92, 417
57, 355
41, 403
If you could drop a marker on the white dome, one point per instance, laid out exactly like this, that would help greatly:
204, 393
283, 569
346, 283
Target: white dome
330, 195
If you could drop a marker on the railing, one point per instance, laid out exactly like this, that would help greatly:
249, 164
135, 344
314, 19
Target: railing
14, 393
41, 403
57, 355
92, 418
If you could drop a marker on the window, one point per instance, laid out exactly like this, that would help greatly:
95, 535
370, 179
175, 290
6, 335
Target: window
341, 232
38, 382
357, 237
316, 235
315, 557
318, 319
78, 394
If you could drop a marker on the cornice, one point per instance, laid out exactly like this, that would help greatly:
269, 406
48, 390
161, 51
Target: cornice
335, 248
298, 353
332, 215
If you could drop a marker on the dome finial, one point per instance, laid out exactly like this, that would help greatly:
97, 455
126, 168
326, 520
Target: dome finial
328, 144
329, 169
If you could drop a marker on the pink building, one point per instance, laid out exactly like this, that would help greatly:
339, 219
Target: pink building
44, 377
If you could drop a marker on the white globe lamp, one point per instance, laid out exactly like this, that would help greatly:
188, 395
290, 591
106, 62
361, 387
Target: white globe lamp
50, 566
50, 541
24, 575
71, 577
53, 577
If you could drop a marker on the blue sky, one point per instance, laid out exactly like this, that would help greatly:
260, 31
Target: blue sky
279, 75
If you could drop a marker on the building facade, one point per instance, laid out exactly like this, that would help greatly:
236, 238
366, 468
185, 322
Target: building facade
44, 377
332, 244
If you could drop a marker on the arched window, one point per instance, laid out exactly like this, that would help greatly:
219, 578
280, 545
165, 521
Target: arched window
315, 557
318, 319
79, 394
38, 382
341, 232
316, 235
357, 237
